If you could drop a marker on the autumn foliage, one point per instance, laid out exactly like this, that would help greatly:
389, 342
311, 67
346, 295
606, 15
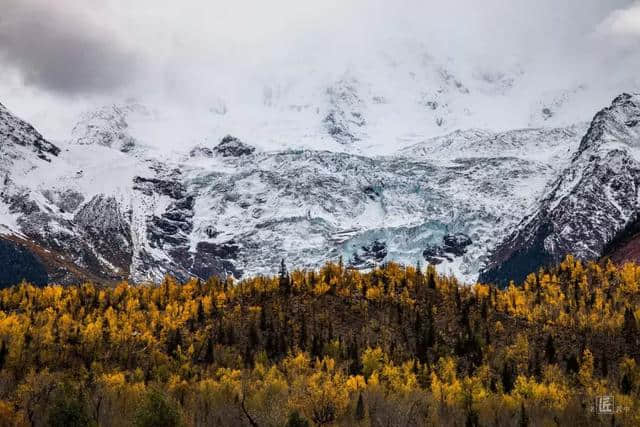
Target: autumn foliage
395, 346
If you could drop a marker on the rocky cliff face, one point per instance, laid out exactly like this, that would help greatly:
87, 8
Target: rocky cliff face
19, 137
595, 198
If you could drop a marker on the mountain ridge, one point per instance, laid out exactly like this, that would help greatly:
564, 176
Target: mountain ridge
592, 200
232, 208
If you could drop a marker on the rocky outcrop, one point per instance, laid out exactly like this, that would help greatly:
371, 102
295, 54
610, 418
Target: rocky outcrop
15, 132
231, 146
167, 187
345, 118
216, 260
453, 246
370, 255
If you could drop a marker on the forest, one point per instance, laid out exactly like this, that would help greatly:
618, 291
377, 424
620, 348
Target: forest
394, 346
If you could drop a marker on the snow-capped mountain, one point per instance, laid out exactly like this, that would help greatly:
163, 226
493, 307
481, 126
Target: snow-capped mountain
387, 159
111, 208
592, 201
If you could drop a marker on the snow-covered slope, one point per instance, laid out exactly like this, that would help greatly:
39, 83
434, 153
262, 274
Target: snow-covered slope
310, 206
595, 198
115, 208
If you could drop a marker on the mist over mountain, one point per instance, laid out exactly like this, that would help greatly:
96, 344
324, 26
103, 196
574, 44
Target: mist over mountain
261, 70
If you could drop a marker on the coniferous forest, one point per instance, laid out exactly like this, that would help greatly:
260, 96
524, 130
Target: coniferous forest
395, 346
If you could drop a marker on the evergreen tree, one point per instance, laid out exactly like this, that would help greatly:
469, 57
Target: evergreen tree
208, 356
630, 327
626, 386
359, 415
508, 377
431, 279
4, 351
285, 280
550, 350
174, 340
297, 420
572, 364
523, 419
157, 411
472, 419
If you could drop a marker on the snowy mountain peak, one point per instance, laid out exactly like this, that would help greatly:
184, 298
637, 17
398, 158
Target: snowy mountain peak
617, 124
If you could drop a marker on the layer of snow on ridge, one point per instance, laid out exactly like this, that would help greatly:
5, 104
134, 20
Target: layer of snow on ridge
553, 146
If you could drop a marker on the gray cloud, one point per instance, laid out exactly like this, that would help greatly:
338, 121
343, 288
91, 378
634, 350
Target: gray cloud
59, 51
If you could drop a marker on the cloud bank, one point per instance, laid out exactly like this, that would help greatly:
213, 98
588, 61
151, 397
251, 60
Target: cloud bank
82, 52
76, 47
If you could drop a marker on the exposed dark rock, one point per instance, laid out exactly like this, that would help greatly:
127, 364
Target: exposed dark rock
370, 255
625, 247
373, 193
231, 146
520, 262
456, 244
186, 203
453, 245
21, 203
66, 201
201, 151
344, 118
18, 132
337, 128
149, 186
109, 127
216, 260
211, 232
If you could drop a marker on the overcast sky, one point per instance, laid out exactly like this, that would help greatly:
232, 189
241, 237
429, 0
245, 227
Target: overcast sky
77, 53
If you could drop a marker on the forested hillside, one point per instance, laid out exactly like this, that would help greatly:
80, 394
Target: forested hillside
395, 346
